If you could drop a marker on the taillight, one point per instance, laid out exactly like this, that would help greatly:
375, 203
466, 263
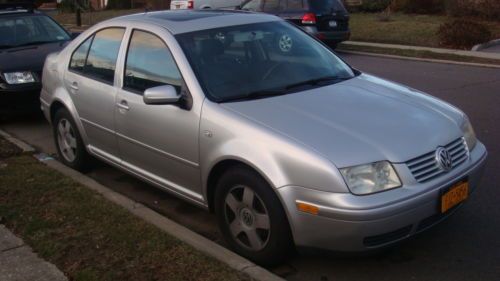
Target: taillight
190, 4
309, 18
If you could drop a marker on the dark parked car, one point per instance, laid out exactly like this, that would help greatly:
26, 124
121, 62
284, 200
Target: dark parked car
328, 20
26, 38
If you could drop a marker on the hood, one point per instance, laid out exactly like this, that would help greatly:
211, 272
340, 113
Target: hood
359, 121
27, 58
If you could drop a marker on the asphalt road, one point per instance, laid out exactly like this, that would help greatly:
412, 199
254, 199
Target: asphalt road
464, 247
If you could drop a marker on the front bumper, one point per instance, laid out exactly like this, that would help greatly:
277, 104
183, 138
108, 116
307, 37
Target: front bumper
329, 36
349, 223
19, 97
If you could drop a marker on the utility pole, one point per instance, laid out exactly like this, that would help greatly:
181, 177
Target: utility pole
78, 13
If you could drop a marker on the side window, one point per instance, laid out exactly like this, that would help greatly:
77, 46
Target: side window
272, 5
80, 55
101, 60
149, 63
253, 5
295, 4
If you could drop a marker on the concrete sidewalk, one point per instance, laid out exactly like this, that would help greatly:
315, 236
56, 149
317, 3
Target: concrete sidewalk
19, 263
482, 55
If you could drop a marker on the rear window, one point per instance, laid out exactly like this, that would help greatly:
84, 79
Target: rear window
326, 6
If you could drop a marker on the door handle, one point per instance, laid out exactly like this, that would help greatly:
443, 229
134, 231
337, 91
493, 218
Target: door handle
123, 105
74, 86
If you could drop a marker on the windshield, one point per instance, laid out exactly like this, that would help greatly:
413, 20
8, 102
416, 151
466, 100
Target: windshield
257, 60
28, 29
326, 6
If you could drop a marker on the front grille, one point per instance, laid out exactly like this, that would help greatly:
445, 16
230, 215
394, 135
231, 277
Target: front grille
426, 168
393, 236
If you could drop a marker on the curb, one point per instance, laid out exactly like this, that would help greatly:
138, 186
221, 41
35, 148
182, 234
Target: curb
182, 233
418, 59
19, 143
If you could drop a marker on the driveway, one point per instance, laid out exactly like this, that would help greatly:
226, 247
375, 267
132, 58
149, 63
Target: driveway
465, 247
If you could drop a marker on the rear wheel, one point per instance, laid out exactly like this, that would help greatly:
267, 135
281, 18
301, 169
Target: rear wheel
68, 141
251, 217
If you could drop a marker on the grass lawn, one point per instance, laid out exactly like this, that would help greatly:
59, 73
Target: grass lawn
416, 30
88, 237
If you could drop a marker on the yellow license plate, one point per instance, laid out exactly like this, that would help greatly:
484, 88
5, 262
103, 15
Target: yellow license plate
457, 193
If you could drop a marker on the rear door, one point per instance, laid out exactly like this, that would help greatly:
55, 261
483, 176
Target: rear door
273, 7
90, 80
293, 10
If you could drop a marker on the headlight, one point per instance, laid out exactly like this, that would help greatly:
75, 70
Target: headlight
371, 178
469, 134
19, 77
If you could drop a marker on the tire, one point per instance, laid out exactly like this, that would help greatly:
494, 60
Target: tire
69, 142
270, 246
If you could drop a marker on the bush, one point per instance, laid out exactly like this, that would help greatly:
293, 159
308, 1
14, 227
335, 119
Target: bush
398, 5
459, 8
463, 34
487, 9
66, 6
118, 5
423, 6
372, 6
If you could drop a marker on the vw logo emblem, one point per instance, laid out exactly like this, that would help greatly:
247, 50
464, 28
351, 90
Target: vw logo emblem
443, 159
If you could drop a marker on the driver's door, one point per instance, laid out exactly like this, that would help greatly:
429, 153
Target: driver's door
157, 142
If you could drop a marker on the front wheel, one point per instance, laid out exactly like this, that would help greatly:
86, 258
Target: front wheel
68, 141
251, 217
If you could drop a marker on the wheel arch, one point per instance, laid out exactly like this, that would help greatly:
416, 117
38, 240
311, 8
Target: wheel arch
54, 107
61, 100
220, 168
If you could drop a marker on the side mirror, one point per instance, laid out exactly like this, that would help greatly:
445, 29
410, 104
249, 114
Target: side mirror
166, 94
75, 34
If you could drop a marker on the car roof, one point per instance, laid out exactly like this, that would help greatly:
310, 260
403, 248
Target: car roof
17, 8
183, 21
21, 12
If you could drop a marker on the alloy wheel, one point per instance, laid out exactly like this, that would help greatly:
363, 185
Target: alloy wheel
66, 140
285, 43
247, 217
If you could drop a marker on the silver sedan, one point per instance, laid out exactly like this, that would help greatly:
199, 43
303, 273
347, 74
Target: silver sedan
250, 117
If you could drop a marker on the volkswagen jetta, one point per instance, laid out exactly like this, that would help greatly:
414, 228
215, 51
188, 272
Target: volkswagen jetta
288, 148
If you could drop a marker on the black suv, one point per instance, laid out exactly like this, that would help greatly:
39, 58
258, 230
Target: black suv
26, 38
328, 20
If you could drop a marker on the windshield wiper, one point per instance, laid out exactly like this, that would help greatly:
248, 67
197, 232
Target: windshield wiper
317, 81
257, 94
286, 90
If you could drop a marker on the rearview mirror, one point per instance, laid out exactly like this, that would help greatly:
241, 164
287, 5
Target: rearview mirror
166, 94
